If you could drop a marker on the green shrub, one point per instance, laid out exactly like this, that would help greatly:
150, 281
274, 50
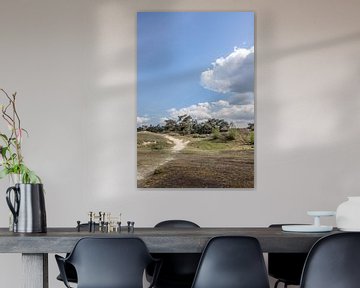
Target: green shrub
158, 146
231, 135
251, 138
216, 133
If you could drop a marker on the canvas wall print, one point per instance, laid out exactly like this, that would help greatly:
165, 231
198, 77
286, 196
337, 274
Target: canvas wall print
195, 100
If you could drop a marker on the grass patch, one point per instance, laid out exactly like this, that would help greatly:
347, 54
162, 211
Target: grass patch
150, 141
230, 169
225, 162
234, 139
209, 144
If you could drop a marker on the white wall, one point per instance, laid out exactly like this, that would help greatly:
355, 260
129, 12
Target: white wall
73, 64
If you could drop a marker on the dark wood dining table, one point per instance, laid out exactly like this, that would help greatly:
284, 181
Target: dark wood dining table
35, 247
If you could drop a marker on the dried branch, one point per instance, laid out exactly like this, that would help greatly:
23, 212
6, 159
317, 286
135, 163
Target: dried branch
10, 153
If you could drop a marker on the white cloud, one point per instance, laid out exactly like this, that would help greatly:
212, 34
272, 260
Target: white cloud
234, 73
142, 120
200, 111
236, 112
242, 98
240, 115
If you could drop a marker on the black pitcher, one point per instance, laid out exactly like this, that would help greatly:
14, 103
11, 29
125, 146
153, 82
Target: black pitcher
28, 207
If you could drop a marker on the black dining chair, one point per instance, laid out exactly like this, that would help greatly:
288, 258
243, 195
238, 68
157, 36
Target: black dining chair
108, 263
286, 267
178, 269
333, 262
232, 262
70, 271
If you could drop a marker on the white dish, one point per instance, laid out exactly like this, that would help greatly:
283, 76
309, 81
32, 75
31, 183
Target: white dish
306, 228
321, 213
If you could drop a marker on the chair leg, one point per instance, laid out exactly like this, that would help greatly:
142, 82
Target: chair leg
278, 282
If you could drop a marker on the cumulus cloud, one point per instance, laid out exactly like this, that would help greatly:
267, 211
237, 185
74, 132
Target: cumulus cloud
240, 115
242, 98
142, 120
233, 73
200, 111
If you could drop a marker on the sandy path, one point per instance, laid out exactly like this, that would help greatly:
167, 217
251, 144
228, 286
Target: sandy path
179, 145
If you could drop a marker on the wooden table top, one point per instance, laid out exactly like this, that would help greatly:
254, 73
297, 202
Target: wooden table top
158, 240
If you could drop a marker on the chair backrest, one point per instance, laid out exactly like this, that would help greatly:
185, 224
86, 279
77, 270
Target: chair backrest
333, 262
110, 262
286, 267
178, 269
176, 224
232, 262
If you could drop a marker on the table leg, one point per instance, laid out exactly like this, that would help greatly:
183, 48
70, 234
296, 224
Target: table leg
35, 270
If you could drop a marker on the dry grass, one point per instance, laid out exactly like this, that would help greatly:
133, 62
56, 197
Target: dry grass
205, 163
152, 150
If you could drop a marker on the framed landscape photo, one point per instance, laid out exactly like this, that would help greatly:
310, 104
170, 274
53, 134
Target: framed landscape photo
195, 100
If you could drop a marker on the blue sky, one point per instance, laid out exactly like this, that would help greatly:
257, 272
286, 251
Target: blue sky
197, 63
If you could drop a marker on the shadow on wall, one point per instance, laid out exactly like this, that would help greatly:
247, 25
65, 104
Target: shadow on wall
312, 92
346, 39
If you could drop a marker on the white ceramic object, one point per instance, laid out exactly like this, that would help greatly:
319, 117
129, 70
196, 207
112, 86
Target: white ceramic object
318, 214
316, 227
306, 228
348, 214
14, 179
321, 213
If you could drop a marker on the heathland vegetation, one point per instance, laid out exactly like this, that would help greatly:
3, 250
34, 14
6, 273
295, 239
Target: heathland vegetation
186, 125
184, 153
